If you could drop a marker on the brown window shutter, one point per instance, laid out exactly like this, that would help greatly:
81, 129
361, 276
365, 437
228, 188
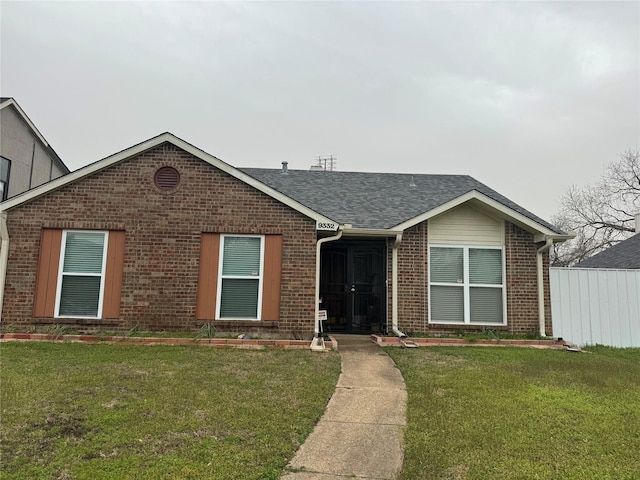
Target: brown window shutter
271, 280
47, 277
113, 275
208, 276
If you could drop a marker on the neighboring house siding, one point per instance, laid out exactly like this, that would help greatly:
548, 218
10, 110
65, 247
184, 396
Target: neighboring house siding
162, 246
31, 164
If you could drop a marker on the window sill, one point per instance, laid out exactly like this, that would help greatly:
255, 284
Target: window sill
462, 324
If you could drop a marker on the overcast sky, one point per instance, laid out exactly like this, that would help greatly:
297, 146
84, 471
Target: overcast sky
526, 97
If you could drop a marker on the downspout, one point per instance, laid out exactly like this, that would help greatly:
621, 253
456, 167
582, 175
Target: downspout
394, 286
318, 341
541, 319
4, 255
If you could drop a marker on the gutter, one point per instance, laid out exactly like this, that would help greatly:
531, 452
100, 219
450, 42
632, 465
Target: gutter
4, 256
394, 286
541, 317
318, 342
370, 232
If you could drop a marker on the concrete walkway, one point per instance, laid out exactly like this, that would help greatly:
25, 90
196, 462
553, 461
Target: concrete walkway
360, 433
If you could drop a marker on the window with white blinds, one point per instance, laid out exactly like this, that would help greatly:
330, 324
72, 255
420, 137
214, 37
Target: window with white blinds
240, 285
81, 274
466, 285
447, 303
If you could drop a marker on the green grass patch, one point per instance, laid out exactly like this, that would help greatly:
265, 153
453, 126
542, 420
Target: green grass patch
514, 413
74, 411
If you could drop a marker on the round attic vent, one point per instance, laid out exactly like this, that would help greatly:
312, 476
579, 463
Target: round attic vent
166, 178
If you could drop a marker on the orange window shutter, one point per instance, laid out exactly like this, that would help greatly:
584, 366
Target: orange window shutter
113, 275
47, 276
208, 276
272, 277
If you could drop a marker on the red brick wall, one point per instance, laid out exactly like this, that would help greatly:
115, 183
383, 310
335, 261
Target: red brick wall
521, 282
412, 280
162, 242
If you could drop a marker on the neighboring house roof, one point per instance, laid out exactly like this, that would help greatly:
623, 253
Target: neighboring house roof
623, 255
379, 200
368, 201
10, 102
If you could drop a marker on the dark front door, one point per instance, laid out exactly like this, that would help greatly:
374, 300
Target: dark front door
353, 286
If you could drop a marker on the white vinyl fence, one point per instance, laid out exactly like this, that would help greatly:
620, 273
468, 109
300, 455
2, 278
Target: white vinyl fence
596, 306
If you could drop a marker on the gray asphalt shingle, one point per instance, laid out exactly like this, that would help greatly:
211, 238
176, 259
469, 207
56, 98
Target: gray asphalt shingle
624, 255
376, 200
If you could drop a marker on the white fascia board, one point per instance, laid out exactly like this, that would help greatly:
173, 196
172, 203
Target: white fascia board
512, 215
12, 102
147, 145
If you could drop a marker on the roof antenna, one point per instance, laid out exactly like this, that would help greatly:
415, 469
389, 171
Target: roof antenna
325, 164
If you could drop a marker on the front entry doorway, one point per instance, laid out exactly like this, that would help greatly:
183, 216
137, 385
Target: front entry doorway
353, 286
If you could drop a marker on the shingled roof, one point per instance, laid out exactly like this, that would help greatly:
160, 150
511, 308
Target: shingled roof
623, 255
376, 200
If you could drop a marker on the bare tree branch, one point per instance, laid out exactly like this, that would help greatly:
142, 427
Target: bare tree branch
602, 214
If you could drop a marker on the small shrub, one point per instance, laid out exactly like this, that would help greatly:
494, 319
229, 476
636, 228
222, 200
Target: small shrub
208, 330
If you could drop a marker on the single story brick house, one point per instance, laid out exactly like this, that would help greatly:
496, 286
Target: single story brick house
163, 236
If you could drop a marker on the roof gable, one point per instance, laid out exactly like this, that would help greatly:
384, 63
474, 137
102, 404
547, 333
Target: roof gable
393, 201
143, 147
381, 202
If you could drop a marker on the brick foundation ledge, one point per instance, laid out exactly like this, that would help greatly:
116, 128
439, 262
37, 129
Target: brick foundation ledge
461, 342
112, 339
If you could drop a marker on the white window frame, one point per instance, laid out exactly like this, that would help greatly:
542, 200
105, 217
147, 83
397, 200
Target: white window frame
260, 277
466, 285
63, 248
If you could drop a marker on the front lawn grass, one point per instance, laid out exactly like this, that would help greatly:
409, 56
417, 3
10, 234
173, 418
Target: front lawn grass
74, 411
516, 413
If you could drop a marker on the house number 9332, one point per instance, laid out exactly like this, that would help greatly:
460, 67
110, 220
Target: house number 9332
327, 226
